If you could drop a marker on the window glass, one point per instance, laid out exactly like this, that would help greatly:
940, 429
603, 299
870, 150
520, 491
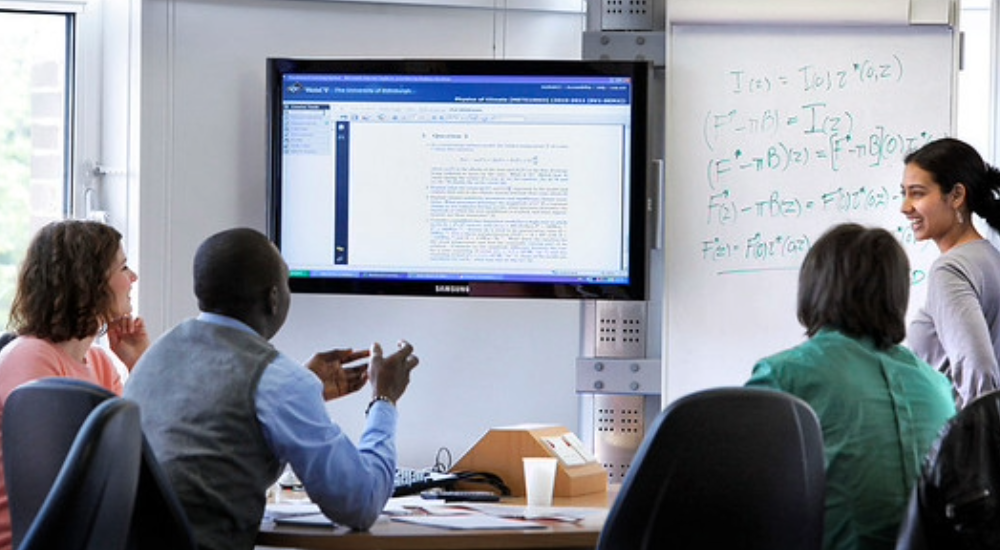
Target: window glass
33, 134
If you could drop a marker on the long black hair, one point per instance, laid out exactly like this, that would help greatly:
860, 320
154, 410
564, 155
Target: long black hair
950, 161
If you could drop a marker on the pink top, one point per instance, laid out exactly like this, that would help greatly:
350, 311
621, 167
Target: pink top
28, 358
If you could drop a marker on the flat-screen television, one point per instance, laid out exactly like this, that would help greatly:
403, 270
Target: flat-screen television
493, 178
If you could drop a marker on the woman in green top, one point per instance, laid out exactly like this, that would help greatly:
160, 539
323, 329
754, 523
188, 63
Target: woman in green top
880, 406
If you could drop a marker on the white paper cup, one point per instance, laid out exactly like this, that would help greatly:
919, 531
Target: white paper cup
539, 480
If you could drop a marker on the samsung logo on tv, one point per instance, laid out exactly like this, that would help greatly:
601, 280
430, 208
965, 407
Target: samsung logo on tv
451, 289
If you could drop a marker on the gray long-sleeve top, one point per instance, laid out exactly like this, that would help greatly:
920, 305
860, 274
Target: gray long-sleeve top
958, 329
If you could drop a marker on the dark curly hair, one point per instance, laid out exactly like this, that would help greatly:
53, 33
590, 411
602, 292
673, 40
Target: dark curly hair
63, 288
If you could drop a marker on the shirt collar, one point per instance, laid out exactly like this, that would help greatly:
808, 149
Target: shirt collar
865, 341
216, 319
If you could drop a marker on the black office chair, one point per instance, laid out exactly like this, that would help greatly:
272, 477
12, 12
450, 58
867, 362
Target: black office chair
90, 504
955, 504
40, 421
159, 521
6, 338
733, 468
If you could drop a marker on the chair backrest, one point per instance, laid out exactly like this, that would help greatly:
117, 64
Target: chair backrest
6, 338
733, 468
159, 521
91, 501
955, 504
40, 421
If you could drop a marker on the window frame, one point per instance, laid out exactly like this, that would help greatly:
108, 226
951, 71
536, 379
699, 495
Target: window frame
994, 80
83, 114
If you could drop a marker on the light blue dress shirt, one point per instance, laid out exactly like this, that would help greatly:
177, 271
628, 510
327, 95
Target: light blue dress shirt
351, 484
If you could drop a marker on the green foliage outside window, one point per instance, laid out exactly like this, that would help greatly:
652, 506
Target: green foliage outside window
15, 158
22, 37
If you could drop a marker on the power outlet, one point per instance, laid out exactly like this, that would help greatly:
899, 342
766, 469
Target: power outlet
620, 329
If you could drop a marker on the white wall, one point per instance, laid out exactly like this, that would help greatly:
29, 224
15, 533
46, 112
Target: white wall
202, 164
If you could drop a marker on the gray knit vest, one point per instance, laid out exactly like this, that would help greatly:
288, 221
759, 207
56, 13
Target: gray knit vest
196, 390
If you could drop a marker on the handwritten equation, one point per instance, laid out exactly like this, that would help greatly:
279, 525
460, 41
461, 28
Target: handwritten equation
864, 73
808, 143
758, 251
813, 136
722, 209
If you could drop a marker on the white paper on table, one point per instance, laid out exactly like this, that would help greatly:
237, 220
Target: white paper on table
309, 519
471, 521
286, 509
557, 513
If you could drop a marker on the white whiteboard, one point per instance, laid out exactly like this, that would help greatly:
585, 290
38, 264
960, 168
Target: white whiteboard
774, 133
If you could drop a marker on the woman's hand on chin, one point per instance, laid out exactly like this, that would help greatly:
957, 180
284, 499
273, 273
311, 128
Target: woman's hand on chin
128, 338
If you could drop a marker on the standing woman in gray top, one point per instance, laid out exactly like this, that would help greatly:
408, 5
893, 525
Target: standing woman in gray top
958, 330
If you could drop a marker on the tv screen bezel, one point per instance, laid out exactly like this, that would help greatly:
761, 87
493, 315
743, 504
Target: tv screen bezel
639, 206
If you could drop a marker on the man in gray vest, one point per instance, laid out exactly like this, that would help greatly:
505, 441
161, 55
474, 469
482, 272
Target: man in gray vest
224, 411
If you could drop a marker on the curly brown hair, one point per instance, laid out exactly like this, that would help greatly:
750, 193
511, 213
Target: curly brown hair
63, 289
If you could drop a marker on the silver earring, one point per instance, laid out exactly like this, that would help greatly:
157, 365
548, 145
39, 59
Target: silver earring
959, 217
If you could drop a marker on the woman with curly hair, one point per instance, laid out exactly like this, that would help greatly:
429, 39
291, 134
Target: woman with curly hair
73, 286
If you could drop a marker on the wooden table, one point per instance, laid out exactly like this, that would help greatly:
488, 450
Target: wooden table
387, 534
